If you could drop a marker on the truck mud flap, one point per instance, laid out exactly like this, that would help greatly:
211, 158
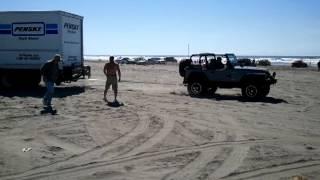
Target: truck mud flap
73, 74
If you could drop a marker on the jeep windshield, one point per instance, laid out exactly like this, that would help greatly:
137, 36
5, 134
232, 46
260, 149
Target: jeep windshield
232, 58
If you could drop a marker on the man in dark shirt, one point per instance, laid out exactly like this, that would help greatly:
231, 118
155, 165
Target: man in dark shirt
50, 73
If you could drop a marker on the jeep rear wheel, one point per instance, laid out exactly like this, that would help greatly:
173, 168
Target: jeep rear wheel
251, 91
196, 88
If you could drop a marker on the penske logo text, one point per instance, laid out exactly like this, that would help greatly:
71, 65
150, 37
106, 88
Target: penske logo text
71, 26
28, 29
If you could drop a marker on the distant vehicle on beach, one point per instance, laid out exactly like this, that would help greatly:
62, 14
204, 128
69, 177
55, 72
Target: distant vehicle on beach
123, 60
161, 61
170, 59
264, 62
246, 62
299, 64
156, 60
118, 60
140, 61
131, 61
206, 72
153, 60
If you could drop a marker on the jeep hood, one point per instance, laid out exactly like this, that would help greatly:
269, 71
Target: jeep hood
251, 69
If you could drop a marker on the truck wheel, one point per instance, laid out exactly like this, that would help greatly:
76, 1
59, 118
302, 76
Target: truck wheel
251, 91
6, 82
196, 88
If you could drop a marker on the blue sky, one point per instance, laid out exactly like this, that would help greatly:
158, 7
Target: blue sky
155, 27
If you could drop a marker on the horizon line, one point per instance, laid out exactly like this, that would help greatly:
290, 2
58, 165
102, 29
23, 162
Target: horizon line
177, 55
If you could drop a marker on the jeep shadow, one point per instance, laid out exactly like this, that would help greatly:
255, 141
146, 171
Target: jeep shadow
236, 97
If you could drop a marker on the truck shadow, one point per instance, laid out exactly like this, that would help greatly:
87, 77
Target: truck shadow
270, 100
38, 92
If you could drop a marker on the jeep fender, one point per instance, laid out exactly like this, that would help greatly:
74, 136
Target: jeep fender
196, 76
253, 78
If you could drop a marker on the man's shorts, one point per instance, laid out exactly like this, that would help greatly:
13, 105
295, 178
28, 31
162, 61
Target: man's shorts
112, 80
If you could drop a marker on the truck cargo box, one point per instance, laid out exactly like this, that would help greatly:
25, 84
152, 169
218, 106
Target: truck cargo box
30, 38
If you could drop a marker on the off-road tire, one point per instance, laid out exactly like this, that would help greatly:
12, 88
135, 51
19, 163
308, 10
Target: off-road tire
251, 91
197, 88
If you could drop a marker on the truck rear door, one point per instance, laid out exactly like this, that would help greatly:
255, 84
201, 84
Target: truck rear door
72, 40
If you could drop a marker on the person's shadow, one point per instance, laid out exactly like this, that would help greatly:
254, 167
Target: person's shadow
38, 92
115, 104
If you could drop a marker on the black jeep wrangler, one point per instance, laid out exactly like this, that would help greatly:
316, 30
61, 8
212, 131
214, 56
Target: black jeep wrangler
206, 72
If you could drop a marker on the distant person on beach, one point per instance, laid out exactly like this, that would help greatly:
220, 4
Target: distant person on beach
50, 73
318, 65
110, 70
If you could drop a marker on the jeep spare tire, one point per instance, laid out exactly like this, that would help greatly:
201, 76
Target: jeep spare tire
182, 65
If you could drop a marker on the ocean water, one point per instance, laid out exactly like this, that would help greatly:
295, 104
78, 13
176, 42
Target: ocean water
275, 60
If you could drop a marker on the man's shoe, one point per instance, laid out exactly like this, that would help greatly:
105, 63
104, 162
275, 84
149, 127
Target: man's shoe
116, 102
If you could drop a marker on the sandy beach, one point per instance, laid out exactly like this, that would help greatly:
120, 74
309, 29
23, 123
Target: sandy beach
161, 132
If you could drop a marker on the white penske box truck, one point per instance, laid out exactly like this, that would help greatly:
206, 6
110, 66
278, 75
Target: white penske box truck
28, 39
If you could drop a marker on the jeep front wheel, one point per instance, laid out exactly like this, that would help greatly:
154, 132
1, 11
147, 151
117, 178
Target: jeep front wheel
196, 88
251, 91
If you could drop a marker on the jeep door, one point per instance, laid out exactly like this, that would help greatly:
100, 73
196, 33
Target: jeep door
218, 71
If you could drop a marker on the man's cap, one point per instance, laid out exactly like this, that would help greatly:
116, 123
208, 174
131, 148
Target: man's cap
57, 56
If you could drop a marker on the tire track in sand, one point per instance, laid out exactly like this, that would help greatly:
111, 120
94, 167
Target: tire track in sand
113, 149
168, 125
117, 144
232, 163
190, 171
275, 172
91, 155
207, 164
45, 172
236, 157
